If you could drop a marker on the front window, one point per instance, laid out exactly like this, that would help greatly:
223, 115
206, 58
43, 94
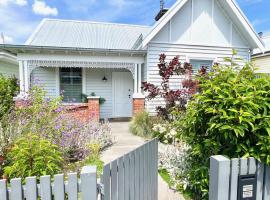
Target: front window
197, 64
71, 84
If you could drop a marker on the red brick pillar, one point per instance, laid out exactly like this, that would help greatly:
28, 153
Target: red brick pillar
138, 103
20, 101
94, 107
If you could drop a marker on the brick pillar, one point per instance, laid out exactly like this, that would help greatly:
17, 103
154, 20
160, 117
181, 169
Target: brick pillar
20, 101
138, 104
94, 107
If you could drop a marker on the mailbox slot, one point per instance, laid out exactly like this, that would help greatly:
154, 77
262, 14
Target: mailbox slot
247, 187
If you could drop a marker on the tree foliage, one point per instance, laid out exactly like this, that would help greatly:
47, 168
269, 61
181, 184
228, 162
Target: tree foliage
8, 89
173, 98
229, 116
33, 156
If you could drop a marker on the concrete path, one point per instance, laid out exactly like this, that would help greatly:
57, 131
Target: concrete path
125, 142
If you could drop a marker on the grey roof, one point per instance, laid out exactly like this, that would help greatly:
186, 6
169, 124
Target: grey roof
84, 34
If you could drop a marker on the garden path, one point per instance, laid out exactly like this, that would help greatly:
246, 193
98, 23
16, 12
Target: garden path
125, 142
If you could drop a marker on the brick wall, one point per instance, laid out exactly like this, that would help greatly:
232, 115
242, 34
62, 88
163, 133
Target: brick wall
138, 105
94, 108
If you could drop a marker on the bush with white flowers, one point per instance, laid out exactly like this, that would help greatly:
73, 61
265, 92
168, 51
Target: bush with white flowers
173, 159
165, 133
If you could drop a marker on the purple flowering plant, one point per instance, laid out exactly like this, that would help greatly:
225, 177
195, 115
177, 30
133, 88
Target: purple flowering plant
46, 118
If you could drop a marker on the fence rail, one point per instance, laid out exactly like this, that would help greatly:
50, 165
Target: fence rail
131, 177
225, 174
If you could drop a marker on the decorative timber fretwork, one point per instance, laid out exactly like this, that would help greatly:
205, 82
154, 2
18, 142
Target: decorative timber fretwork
32, 64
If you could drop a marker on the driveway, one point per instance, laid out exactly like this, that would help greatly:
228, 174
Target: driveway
125, 142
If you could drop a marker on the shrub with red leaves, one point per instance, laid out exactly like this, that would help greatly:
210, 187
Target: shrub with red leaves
177, 98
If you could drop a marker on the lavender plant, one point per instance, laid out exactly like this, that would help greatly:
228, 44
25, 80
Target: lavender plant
46, 119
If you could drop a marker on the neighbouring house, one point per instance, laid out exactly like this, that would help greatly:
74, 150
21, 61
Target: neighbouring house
111, 60
262, 60
9, 65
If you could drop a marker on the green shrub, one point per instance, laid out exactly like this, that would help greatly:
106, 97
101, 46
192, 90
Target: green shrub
229, 116
142, 124
33, 156
8, 89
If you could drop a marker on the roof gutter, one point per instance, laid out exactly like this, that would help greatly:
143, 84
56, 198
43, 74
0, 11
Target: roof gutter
258, 55
16, 48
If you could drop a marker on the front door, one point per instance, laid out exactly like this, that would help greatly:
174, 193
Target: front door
122, 88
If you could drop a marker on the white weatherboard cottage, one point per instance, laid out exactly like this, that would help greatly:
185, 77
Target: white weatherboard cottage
112, 60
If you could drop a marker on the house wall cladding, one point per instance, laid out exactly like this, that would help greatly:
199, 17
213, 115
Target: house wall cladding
263, 64
48, 78
103, 89
184, 52
8, 69
201, 30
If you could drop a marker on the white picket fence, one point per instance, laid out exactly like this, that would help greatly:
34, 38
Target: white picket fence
131, 177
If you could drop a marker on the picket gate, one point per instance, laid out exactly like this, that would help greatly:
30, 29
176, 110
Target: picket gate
130, 177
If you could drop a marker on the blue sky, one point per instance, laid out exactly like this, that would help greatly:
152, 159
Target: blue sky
19, 18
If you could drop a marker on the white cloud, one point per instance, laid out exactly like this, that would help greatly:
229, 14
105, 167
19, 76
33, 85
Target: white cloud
16, 25
6, 39
21, 2
41, 8
16, 2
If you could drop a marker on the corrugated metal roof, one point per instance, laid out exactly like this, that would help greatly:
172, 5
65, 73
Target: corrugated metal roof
84, 34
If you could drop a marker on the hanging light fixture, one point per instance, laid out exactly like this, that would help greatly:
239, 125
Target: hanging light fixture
104, 79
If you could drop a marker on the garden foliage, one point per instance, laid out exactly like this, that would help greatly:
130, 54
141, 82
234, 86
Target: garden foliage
173, 98
142, 124
33, 156
56, 141
229, 116
8, 89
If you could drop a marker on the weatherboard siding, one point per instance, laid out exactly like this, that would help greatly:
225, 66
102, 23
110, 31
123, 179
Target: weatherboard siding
46, 78
185, 53
202, 23
103, 89
8, 69
263, 64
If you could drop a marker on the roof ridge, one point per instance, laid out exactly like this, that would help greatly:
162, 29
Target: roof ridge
96, 22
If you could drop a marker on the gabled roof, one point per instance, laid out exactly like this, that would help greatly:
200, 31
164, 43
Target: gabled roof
236, 15
85, 34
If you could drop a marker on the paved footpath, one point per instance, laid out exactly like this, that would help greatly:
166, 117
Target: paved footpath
125, 142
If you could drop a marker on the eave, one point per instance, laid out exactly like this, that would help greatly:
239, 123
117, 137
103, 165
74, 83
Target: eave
7, 57
21, 49
260, 55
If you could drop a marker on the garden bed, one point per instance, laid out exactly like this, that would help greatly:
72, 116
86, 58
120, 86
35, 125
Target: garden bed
41, 138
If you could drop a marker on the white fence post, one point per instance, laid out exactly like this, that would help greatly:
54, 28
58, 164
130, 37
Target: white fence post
3, 190
89, 183
219, 187
16, 189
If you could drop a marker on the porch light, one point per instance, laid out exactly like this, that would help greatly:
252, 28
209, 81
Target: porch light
104, 79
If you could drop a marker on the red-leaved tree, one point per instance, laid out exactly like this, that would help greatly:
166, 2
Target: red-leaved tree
174, 98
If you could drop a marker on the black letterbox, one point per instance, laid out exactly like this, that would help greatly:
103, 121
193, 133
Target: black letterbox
247, 187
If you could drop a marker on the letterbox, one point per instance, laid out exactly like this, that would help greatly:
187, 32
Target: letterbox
247, 187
